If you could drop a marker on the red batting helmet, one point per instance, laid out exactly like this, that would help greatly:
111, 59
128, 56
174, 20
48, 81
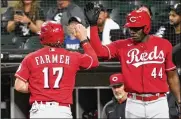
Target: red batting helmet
139, 18
51, 33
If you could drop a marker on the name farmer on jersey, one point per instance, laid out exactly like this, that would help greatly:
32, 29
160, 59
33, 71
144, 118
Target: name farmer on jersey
54, 58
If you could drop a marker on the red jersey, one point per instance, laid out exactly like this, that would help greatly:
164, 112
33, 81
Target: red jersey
51, 72
144, 64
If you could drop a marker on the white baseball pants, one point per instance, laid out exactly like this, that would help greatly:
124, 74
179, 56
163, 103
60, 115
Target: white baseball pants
147, 109
50, 110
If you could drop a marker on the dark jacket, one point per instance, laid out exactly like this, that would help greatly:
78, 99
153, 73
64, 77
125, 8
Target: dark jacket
114, 110
63, 15
167, 31
173, 109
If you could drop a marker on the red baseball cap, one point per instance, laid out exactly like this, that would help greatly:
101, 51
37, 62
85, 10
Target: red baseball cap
116, 79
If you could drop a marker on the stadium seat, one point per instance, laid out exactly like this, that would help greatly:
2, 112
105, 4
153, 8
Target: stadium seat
32, 43
4, 23
6, 42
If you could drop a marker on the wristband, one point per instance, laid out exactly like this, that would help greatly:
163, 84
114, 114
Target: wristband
84, 41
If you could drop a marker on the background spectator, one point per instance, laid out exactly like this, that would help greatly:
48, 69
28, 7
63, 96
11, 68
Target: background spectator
25, 20
105, 24
71, 42
172, 30
64, 11
149, 11
115, 109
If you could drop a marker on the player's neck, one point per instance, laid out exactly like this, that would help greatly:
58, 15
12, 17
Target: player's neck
145, 38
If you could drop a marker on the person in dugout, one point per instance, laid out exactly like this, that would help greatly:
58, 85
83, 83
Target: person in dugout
115, 109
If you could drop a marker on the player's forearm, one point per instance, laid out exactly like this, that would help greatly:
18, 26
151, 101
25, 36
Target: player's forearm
25, 88
21, 86
95, 42
174, 85
90, 51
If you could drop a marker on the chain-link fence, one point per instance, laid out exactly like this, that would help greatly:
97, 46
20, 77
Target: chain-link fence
117, 9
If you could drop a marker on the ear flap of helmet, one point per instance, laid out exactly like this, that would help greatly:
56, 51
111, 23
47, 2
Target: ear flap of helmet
146, 29
147, 20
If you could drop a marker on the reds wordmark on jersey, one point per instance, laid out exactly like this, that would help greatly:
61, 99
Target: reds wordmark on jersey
144, 64
137, 59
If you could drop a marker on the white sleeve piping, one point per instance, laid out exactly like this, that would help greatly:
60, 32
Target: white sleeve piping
91, 61
108, 51
20, 77
170, 68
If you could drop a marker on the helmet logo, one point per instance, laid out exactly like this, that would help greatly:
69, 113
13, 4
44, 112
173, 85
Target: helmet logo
56, 30
132, 19
114, 78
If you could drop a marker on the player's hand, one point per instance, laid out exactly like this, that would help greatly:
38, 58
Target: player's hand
71, 30
92, 13
80, 32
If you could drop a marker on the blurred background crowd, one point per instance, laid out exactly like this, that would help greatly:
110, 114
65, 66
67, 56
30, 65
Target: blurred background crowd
21, 20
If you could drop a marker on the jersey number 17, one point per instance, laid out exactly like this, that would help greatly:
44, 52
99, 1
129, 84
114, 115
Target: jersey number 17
56, 70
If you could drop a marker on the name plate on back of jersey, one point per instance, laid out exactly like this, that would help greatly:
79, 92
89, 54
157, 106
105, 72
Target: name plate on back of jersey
54, 58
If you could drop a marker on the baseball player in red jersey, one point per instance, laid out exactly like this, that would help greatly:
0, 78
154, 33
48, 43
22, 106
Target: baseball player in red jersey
146, 63
49, 73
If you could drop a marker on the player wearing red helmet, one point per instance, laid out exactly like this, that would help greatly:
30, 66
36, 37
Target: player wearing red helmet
146, 63
139, 19
51, 32
49, 73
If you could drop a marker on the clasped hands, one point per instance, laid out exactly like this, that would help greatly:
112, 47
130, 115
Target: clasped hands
21, 18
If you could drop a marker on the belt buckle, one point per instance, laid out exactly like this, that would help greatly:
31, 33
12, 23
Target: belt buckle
133, 96
157, 94
142, 98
